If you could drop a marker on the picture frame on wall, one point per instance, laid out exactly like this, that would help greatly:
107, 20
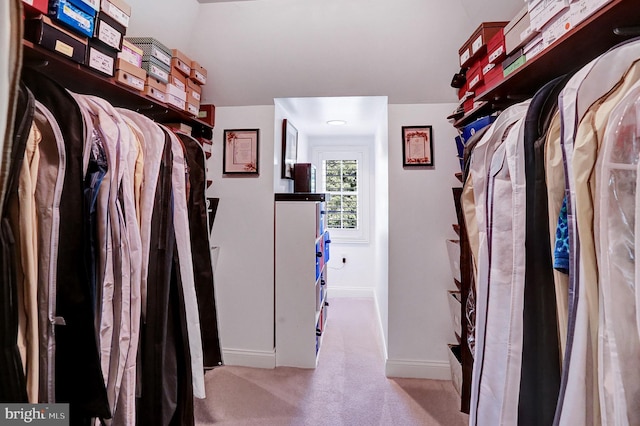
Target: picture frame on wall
289, 148
417, 146
240, 151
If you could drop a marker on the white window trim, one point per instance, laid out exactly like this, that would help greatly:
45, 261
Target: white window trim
356, 152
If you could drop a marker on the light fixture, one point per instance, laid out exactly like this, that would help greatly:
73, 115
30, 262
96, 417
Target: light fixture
336, 122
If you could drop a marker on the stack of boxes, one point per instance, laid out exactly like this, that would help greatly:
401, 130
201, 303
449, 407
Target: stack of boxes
129, 71
89, 32
173, 78
537, 26
473, 56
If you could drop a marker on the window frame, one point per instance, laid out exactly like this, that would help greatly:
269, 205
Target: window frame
361, 154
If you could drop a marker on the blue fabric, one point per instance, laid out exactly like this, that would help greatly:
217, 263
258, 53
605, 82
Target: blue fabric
561, 250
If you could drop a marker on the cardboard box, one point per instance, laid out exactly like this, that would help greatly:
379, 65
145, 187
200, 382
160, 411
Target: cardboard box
175, 91
178, 79
493, 77
131, 53
477, 43
207, 113
194, 90
193, 109
118, 10
94, 4
75, 14
175, 101
152, 48
155, 89
181, 127
44, 32
520, 61
455, 309
518, 32
155, 69
474, 75
36, 6
101, 59
129, 80
109, 32
129, 68
198, 73
582, 9
181, 62
453, 250
534, 47
496, 51
546, 11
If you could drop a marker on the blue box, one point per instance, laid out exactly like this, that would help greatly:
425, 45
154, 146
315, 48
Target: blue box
460, 146
327, 243
471, 129
75, 14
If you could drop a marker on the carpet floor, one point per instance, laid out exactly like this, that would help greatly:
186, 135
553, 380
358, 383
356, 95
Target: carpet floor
348, 388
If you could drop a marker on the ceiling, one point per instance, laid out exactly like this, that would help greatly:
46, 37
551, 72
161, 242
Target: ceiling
363, 115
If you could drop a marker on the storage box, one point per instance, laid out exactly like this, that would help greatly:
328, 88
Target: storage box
94, 4
101, 59
198, 73
129, 80
455, 309
495, 48
155, 89
194, 90
128, 67
207, 114
534, 47
131, 53
493, 77
453, 250
44, 32
546, 11
181, 62
557, 27
118, 10
156, 69
477, 43
175, 101
467, 132
518, 32
520, 61
36, 6
178, 79
75, 14
474, 75
304, 177
109, 32
152, 48
192, 108
174, 90
455, 364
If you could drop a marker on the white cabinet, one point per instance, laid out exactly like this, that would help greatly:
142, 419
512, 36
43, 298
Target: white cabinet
301, 254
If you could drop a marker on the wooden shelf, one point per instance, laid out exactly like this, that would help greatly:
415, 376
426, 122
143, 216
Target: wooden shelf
81, 79
569, 53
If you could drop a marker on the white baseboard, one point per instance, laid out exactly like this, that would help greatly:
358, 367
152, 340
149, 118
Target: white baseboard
247, 358
367, 292
415, 369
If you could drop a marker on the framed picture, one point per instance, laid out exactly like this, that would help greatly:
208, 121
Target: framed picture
240, 151
289, 148
417, 146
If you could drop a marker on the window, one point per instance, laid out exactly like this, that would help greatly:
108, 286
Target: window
343, 174
341, 182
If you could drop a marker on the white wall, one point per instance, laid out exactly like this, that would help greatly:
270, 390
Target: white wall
169, 21
421, 212
243, 230
381, 229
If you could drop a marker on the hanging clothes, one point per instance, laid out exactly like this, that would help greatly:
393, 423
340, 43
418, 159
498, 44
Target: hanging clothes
616, 224
540, 379
202, 264
78, 377
577, 98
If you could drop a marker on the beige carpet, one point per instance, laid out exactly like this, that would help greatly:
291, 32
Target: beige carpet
348, 387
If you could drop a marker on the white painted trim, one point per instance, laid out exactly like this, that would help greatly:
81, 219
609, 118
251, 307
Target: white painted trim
249, 358
367, 292
416, 369
383, 341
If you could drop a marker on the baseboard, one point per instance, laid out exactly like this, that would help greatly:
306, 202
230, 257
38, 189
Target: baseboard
415, 369
367, 292
246, 358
